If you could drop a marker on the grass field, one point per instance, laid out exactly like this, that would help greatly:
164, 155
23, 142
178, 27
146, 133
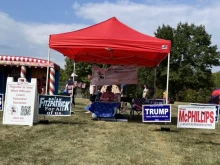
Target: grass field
82, 141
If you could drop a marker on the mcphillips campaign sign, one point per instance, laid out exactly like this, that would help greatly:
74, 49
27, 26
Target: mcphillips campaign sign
156, 113
53, 105
216, 106
190, 116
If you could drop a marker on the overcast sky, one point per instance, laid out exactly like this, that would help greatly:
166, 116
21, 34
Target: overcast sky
25, 25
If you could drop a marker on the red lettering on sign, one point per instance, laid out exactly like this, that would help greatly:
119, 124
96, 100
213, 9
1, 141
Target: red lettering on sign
196, 116
181, 116
211, 115
189, 115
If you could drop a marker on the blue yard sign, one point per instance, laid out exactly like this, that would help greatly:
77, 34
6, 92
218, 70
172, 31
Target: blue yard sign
53, 105
156, 113
216, 105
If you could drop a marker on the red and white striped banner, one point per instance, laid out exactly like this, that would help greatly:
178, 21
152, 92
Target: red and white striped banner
52, 81
23, 72
24, 61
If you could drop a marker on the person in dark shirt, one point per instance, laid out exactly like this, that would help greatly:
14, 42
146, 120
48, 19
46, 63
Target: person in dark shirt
71, 89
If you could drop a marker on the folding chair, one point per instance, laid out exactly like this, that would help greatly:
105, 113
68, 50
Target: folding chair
136, 106
126, 101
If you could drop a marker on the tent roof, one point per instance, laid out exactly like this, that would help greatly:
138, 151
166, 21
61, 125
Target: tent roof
111, 42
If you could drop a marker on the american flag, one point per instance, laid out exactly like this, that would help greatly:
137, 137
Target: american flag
164, 47
79, 84
138, 102
83, 85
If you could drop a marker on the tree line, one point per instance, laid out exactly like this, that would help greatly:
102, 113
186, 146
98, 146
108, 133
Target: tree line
191, 60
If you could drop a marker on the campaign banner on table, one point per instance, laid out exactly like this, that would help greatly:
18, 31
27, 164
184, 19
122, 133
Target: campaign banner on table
1, 102
54, 105
114, 75
156, 113
157, 101
190, 116
216, 107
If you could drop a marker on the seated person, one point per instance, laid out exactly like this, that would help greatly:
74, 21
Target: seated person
108, 96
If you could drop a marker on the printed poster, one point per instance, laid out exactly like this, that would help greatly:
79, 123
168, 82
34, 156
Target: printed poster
156, 113
114, 75
190, 116
216, 106
19, 103
54, 105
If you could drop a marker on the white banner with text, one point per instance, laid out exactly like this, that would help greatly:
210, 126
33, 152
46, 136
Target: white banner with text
114, 75
20, 102
196, 117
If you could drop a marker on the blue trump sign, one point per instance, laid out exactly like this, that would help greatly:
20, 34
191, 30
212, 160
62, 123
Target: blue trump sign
1, 102
216, 106
156, 113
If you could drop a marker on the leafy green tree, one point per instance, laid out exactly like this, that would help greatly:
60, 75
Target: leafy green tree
82, 69
191, 58
216, 79
145, 76
63, 76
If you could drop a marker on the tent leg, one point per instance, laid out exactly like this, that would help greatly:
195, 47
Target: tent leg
155, 80
48, 66
74, 65
168, 70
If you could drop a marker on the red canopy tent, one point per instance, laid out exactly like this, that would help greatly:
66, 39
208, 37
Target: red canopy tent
111, 42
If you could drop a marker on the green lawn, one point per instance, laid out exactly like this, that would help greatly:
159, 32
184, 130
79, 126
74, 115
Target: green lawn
81, 141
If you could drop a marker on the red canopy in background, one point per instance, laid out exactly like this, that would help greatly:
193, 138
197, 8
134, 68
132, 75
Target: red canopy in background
111, 42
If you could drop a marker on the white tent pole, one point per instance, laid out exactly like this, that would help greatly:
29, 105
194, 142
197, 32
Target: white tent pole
155, 79
73, 73
48, 66
73, 76
168, 71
